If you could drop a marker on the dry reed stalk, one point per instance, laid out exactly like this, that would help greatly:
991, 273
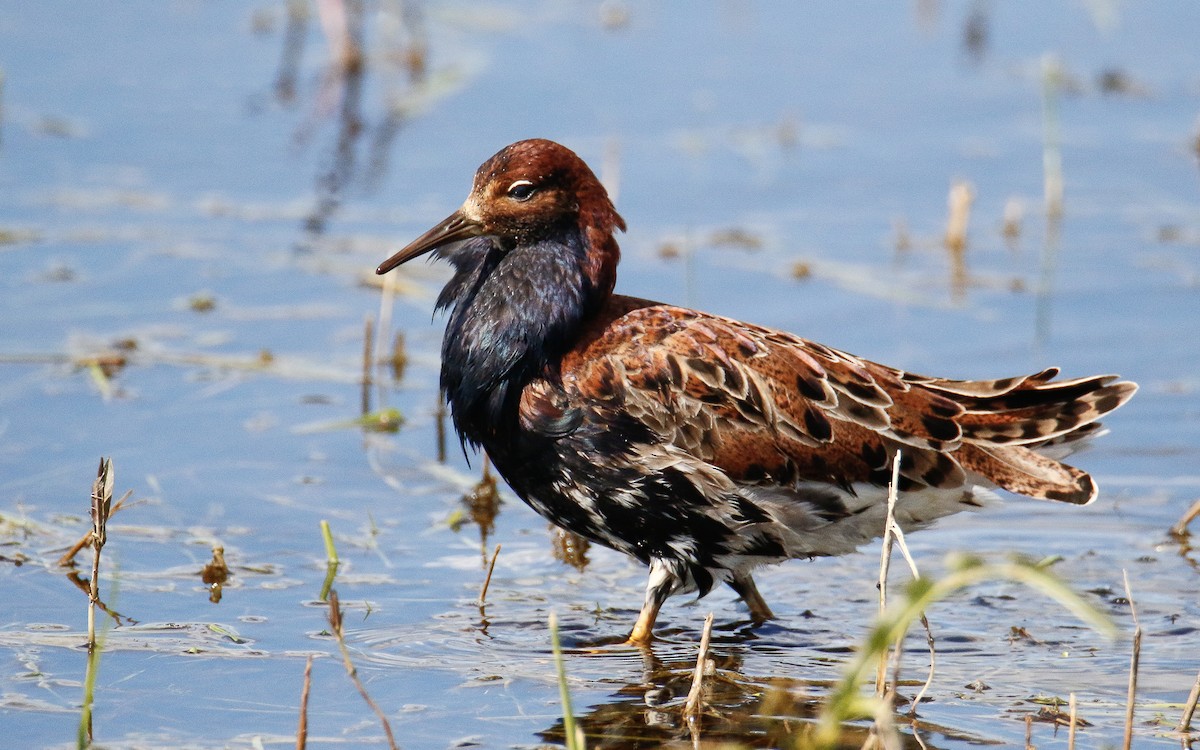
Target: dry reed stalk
101, 509
373, 349
1029, 732
302, 729
387, 301
894, 534
1052, 177
693, 707
883, 732
1052, 165
916, 735
367, 360
1185, 721
1014, 210
487, 581
1071, 726
399, 357
68, 558
610, 168
929, 640
962, 195
335, 622
439, 416
885, 562
1131, 695
1180, 527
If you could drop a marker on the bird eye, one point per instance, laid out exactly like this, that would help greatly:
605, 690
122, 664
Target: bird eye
521, 190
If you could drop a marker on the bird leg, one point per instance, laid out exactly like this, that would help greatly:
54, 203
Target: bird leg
743, 584
642, 630
662, 582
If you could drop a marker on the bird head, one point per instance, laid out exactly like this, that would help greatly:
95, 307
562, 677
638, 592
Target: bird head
529, 191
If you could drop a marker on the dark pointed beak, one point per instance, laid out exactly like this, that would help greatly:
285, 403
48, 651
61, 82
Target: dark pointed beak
454, 228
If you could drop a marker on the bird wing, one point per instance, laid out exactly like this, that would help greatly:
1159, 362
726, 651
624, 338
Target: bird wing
769, 408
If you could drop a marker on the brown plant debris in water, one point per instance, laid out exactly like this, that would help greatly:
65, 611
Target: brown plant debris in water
569, 548
1014, 213
1055, 715
215, 573
736, 237
1117, 82
399, 359
483, 504
1019, 633
901, 236
109, 363
17, 236
669, 250
202, 302
1180, 529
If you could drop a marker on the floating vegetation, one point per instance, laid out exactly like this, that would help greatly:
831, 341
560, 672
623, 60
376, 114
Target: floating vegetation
736, 237
215, 573
482, 504
570, 548
384, 420
18, 236
202, 302
1119, 82
398, 361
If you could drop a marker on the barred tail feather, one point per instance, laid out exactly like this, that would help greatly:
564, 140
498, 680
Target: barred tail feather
1025, 472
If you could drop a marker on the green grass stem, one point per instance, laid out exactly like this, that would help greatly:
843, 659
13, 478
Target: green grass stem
846, 702
331, 554
573, 734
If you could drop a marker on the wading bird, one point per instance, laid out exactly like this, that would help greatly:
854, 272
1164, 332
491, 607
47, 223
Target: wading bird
700, 445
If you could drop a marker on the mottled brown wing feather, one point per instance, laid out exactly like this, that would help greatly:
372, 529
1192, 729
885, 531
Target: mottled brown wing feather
767, 407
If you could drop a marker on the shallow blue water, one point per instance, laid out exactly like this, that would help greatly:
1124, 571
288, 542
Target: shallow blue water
146, 160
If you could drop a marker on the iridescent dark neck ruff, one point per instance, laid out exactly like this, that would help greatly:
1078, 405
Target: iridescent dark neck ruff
700, 445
